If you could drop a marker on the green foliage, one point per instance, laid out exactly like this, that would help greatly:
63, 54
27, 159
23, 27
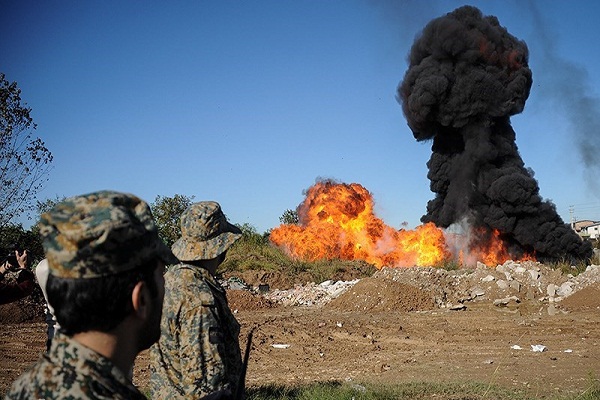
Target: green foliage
250, 235
593, 390
24, 159
451, 265
411, 390
253, 252
567, 267
289, 217
167, 212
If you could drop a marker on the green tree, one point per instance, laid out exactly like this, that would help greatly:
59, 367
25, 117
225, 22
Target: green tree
167, 211
42, 207
24, 159
250, 234
289, 217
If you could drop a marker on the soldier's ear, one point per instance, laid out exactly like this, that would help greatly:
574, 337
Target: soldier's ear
140, 299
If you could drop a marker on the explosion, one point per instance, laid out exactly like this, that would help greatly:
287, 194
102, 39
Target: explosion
467, 75
337, 221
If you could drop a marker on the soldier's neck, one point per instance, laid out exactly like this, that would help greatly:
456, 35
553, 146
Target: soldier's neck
122, 353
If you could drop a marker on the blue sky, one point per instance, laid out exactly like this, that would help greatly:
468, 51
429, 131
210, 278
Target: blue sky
247, 103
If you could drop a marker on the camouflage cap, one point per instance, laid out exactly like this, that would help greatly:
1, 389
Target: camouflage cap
100, 234
205, 232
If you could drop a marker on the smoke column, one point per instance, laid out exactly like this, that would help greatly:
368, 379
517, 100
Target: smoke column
467, 75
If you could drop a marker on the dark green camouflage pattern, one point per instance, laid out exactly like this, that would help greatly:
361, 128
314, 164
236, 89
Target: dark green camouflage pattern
198, 351
205, 232
100, 234
72, 371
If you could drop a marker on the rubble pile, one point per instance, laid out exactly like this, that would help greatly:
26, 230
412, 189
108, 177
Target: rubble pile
311, 294
511, 282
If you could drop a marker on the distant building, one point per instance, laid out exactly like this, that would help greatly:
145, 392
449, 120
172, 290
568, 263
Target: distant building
580, 226
593, 231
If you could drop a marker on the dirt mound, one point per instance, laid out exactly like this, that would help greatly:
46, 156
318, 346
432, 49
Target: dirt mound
243, 300
584, 299
29, 309
11, 313
380, 294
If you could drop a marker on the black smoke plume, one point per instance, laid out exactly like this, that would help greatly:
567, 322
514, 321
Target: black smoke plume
467, 75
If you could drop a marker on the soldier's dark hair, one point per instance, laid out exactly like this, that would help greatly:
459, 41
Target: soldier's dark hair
97, 304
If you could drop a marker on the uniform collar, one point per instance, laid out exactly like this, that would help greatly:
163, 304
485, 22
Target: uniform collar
71, 354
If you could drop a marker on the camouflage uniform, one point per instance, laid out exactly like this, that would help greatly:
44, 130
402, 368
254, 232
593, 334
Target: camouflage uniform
72, 371
100, 234
84, 237
198, 352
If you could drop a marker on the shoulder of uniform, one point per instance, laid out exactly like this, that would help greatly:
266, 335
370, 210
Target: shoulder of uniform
185, 281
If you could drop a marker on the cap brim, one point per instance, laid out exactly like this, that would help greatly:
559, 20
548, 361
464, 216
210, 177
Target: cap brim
189, 249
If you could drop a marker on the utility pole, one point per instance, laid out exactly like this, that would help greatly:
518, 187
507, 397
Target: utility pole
571, 212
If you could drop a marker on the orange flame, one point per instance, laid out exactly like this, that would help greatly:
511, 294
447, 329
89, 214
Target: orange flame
336, 220
482, 245
492, 251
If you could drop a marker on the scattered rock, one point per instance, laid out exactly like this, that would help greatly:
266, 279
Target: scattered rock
551, 290
422, 288
507, 300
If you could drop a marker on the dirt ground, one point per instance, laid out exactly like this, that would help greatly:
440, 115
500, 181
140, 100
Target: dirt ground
389, 331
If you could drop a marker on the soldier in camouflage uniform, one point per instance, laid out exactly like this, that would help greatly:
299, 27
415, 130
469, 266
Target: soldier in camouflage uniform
198, 352
106, 265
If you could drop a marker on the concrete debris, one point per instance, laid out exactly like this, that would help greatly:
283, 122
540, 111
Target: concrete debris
310, 294
507, 283
566, 289
551, 290
529, 280
538, 348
